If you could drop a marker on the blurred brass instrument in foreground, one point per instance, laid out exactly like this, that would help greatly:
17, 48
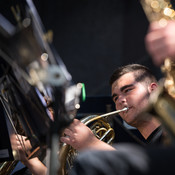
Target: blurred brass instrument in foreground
101, 129
162, 103
7, 167
158, 10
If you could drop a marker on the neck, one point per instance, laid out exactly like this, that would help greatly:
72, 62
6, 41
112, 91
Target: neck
148, 127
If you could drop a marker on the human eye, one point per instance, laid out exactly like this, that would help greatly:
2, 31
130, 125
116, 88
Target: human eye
128, 90
115, 98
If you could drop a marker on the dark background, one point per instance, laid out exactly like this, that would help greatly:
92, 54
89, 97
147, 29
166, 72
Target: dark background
93, 37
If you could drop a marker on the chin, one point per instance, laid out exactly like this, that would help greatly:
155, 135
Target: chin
130, 120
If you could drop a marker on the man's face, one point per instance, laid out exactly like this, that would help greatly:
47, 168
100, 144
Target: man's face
126, 92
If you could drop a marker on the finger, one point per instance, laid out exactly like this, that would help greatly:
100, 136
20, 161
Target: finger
158, 57
73, 125
68, 132
18, 142
22, 154
154, 44
65, 140
158, 61
154, 26
20, 137
154, 36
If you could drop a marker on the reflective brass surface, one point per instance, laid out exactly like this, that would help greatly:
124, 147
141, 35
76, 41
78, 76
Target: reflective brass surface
162, 102
101, 129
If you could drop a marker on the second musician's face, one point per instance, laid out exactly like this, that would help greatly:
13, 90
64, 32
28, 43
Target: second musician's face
126, 92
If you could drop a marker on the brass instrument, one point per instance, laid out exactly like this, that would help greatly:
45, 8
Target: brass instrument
158, 10
101, 129
7, 167
162, 102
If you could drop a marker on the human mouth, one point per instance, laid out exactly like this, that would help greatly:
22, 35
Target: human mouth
124, 110
127, 110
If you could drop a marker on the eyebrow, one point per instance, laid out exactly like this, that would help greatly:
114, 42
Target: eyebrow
122, 89
126, 86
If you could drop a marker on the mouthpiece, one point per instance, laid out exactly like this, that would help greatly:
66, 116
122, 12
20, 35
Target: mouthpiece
114, 112
91, 118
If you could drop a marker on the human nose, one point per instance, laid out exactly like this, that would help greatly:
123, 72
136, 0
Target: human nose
121, 99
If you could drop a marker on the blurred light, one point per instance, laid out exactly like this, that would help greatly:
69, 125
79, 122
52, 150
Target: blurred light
77, 106
79, 85
26, 22
154, 4
168, 11
44, 56
162, 22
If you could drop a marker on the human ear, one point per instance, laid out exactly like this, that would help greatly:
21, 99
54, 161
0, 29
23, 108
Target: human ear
152, 87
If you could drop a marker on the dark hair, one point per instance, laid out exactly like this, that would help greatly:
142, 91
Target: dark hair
142, 73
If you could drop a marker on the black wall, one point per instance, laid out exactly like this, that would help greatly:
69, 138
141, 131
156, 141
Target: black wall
93, 37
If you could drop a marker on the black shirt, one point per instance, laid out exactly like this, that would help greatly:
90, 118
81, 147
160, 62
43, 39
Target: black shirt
156, 137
